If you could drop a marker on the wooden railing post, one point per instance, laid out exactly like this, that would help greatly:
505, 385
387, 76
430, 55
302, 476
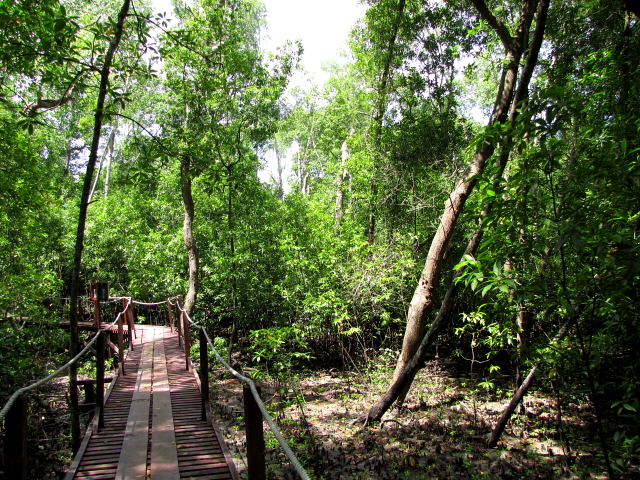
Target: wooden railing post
204, 372
15, 440
100, 378
121, 342
187, 341
180, 321
255, 436
170, 316
131, 320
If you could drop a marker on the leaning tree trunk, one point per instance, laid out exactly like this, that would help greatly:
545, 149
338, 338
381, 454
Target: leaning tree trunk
82, 220
187, 234
424, 297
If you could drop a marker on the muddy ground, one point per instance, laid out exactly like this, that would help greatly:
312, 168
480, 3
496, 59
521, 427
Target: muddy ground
440, 433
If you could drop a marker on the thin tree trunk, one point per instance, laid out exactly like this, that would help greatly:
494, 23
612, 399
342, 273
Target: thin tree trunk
232, 250
424, 297
111, 146
342, 178
386, 71
82, 220
383, 87
524, 331
279, 167
187, 234
524, 388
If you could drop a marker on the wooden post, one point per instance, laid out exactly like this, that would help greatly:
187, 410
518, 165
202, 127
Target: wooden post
204, 372
130, 327
15, 440
179, 322
96, 313
131, 320
121, 342
255, 436
100, 378
187, 341
170, 316
74, 408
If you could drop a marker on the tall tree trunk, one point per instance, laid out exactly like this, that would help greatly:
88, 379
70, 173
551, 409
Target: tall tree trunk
343, 177
279, 168
82, 220
187, 234
424, 297
383, 88
234, 278
524, 332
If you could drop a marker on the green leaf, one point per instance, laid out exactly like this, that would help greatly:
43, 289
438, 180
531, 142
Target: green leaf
511, 283
560, 240
577, 241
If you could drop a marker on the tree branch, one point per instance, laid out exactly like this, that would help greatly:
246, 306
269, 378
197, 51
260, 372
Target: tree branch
500, 28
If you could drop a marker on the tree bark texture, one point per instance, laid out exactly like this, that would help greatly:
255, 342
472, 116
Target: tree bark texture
82, 220
342, 178
424, 297
187, 234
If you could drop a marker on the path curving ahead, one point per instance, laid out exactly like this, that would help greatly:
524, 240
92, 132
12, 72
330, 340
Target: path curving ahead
152, 421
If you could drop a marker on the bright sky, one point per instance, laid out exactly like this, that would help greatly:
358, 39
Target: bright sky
322, 26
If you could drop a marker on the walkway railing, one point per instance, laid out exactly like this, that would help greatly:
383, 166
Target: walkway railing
16, 408
16, 412
254, 408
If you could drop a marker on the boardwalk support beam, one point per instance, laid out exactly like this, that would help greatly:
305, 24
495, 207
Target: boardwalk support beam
170, 316
121, 344
255, 436
15, 440
187, 343
179, 322
204, 372
100, 379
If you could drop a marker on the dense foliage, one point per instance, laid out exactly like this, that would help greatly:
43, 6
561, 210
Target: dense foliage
320, 266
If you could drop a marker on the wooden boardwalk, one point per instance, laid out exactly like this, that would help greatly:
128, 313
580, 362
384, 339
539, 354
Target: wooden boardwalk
153, 425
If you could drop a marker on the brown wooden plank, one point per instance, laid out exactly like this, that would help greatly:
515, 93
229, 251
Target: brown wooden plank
103, 447
133, 458
199, 451
164, 456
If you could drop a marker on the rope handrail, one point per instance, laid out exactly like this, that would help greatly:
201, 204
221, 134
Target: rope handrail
153, 303
108, 300
281, 440
44, 380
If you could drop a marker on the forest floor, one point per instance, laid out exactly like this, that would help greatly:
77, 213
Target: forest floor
441, 432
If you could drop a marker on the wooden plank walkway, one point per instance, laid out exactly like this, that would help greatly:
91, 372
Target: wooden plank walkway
153, 426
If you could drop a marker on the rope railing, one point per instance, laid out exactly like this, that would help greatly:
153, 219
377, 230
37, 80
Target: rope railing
153, 303
272, 426
253, 402
65, 367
